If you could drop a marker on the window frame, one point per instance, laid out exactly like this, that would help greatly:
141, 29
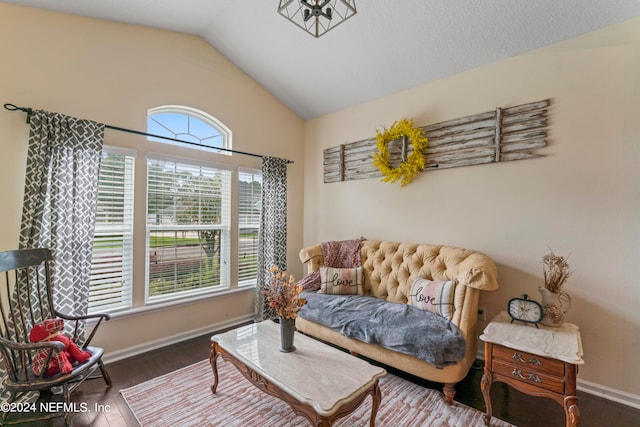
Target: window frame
180, 153
224, 226
244, 282
128, 239
223, 130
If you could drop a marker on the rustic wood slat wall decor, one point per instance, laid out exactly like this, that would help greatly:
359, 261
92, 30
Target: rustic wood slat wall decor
495, 136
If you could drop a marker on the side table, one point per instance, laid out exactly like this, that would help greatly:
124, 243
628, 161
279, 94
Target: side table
537, 361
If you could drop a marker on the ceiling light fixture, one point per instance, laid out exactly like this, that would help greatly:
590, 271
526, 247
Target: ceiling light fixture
317, 16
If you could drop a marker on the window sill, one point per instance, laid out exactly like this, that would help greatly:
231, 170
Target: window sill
138, 311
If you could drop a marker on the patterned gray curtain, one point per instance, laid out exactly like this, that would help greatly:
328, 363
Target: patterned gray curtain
272, 244
60, 197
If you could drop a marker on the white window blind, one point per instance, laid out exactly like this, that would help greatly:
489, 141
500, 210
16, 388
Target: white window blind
188, 221
111, 264
249, 207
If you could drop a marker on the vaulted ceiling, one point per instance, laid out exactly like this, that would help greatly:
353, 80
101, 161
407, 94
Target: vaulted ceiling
388, 46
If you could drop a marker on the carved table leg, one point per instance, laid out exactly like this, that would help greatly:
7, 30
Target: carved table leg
376, 397
571, 411
485, 386
213, 360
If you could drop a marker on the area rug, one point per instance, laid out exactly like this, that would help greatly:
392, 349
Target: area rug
183, 398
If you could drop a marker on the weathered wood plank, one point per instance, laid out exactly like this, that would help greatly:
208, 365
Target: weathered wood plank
517, 127
452, 139
351, 150
521, 136
523, 117
521, 155
461, 154
467, 162
371, 171
363, 174
502, 135
362, 143
334, 159
462, 128
524, 145
476, 142
460, 121
330, 162
362, 167
527, 107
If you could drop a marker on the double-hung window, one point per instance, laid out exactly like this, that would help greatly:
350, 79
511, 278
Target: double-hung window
188, 228
111, 281
249, 207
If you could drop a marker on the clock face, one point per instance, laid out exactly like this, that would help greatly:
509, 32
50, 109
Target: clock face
525, 310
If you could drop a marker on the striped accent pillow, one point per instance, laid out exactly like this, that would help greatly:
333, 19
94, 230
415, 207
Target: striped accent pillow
436, 297
341, 281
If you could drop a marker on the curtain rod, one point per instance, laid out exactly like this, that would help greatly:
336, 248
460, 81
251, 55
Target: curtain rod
29, 112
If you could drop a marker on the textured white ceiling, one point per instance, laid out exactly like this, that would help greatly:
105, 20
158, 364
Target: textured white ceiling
387, 47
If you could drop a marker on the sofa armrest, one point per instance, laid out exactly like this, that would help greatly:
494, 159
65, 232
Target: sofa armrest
312, 256
478, 271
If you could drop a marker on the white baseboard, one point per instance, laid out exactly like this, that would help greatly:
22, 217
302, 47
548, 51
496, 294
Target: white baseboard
174, 339
628, 399
603, 391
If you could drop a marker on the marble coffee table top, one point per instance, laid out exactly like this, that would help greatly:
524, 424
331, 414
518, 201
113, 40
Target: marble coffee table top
315, 373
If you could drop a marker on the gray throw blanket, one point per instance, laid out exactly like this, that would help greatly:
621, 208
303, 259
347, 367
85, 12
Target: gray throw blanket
399, 327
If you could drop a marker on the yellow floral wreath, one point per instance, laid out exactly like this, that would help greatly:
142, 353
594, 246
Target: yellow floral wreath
415, 161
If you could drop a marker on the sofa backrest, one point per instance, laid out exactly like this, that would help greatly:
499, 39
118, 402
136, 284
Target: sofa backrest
389, 268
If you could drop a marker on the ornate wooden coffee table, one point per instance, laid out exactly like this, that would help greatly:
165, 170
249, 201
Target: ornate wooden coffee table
317, 381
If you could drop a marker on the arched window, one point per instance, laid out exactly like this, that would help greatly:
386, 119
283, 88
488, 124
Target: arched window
190, 125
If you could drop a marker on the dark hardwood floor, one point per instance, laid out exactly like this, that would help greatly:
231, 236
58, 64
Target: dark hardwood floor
508, 404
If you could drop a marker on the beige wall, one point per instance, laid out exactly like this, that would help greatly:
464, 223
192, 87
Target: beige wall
581, 200
113, 73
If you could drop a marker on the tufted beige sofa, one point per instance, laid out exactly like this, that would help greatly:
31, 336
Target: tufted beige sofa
389, 269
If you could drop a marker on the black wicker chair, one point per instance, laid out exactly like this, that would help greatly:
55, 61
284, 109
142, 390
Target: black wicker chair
26, 273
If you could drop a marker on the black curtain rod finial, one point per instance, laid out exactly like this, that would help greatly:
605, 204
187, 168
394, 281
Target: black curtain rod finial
12, 107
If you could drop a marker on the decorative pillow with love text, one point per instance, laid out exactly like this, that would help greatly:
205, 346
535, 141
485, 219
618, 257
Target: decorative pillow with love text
341, 281
436, 297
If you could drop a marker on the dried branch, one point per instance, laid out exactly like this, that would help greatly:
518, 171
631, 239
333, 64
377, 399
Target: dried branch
556, 271
283, 294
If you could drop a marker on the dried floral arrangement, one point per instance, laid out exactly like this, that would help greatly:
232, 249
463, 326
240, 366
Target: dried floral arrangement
556, 271
283, 294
